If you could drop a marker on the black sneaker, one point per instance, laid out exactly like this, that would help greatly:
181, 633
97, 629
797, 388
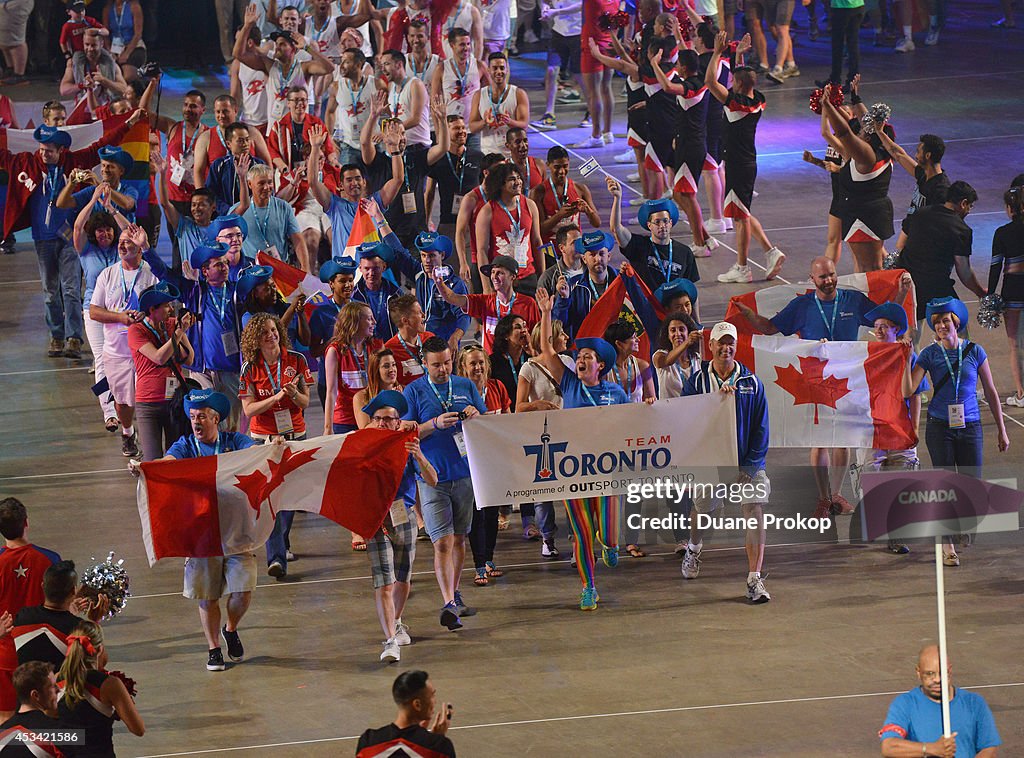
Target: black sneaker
450, 617
216, 661
130, 445
463, 609
235, 650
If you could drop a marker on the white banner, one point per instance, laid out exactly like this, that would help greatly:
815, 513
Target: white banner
590, 452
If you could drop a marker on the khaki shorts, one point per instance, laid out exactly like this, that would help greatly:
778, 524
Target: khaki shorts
120, 373
312, 215
760, 482
13, 21
212, 578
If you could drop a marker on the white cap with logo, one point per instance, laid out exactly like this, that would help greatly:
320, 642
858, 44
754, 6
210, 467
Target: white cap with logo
723, 328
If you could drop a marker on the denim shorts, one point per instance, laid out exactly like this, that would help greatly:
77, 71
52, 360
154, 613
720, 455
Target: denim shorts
447, 508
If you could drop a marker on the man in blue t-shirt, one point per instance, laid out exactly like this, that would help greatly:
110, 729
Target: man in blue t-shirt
115, 162
833, 314
439, 402
913, 725
209, 579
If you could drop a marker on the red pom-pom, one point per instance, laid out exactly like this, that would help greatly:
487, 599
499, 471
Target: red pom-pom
837, 95
129, 683
816, 101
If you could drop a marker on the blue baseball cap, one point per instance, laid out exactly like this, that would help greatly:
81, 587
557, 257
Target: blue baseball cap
891, 312
946, 305
604, 349
51, 135
651, 207
211, 399
336, 266
117, 155
434, 241
375, 250
594, 241
158, 294
221, 223
251, 278
387, 399
203, 254
674, 288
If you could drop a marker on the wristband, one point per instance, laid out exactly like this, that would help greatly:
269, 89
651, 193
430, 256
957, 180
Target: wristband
855, 98
434, 422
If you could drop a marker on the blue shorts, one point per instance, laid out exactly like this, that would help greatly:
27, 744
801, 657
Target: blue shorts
447, 508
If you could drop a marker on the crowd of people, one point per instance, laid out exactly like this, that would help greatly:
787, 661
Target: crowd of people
349, 112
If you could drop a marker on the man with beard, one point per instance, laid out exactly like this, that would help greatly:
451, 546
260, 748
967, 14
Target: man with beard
93, 69
349, 106
498, 108
453, 175
212, 144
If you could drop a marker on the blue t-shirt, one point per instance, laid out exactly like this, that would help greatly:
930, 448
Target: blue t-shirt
270, 226
574, 394
916, 717
190, 236
83, 196
342, 214
425, 403
218, 317
94, 259
189, 445
42, 199
802, 315
932, 361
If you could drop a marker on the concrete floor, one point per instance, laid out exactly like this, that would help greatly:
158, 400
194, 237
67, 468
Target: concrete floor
665, 667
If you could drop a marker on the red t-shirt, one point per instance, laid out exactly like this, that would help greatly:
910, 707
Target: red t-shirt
257, 383
150, 378
73, 32
410, 366
496, 397
351, 377
504, 240
21, 586
485, 309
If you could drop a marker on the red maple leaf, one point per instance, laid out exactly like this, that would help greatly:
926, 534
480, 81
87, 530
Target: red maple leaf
252, 485
809, 385
258, 488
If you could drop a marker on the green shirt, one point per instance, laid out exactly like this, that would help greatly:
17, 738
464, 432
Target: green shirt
847, 3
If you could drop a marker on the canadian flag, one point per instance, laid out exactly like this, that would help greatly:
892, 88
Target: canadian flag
226, 504
832, 394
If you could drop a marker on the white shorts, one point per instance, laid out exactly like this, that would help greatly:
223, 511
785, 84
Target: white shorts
212, 578
756, 492
120, 373
312, 215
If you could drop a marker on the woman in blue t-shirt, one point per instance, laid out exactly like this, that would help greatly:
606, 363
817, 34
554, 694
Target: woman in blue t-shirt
955, 366
591, 518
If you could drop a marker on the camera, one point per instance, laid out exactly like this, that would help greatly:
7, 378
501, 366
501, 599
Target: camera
462, 415
82, 176
150, 70
443, 271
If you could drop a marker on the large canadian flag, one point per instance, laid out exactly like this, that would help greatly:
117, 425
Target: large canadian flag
226, 504
832, 394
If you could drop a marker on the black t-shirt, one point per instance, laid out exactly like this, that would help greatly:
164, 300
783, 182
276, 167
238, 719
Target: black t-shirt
740, 136
297, 144
30, 721
40, 634
935, 236
455, 176
391, 736
506, 371
653, 262
378, 173
691, 122
928, 191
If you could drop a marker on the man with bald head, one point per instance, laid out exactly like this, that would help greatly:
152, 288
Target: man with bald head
830, 313
913, 725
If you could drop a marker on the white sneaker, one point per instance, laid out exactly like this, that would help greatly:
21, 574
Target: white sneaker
402, 634
609, 139
691, 564
774, 263
633, 178
627, 156
728, 224
712, 244
1016, 402
588, 143
715, 226
637, 201
736, 274
701, 251
756, 592
932, 38
906, 45
530, 38
776, 75
392, 653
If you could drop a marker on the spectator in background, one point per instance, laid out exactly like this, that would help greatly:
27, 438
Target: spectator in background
12, 41
124, 20
93, 69
73, 29
846, 18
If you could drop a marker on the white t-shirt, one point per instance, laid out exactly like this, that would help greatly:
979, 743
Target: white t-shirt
567, 24
353, 108
254, 95
671, 378
118, 290
497, 18
458, 91
492, 139
541, 385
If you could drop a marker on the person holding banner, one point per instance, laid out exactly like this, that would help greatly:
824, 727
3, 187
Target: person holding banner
723, 373
592, 519
209, 579
913, 726
576, 297
955, 366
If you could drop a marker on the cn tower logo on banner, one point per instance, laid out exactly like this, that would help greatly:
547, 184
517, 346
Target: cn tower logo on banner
544, 455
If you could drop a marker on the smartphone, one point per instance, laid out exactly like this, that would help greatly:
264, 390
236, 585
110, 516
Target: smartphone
449, 712
443, 271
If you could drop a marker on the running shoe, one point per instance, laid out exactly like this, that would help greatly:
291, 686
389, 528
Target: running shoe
1016, 401
586, 123
756, 592
841, 506
823, 508
790, 70
588, 599
55, 348
898, 548
464, 610
906, 45
73, 348
392, 653
775, 75
450, 617
276, 569
588, 143
610, 556
715, 226
736, 274
728, 224
701, 251
235, 650
633, 178
568, 97
691, 563
608, 138
215, 660
130, 445
548, 549
545, 123
775, 259
932, 38
627, 156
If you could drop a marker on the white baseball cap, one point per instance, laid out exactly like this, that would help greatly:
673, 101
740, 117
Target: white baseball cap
721, 329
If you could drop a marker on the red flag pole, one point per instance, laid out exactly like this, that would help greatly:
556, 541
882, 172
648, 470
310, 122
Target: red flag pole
940, 593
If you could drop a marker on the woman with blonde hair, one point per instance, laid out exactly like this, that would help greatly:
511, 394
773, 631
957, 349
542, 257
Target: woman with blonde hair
92, 699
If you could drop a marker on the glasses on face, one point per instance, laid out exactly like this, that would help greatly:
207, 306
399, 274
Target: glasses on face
388, 421
233, 236
660, 222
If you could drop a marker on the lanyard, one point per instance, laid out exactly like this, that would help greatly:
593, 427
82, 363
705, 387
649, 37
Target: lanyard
360, 364
461, 77
356, 95
729, 381
629, 376
421, 75
512, 365
264, 225
319, 33
120, 19
275, 385
126, 289
53, 174
497, 306
454, 18
835, 309
586, 391
527, 173
186, 147
593, 288
107, 262
381, 301
495, 104
428, 291
461, 162
418, 355
160, 335
287, 78
220, 309
516, 228
959, 368
446, 405
199, 453
665, 267
220, 136
559, 201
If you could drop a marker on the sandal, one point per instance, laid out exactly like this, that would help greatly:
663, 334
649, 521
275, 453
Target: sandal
635, 551
503, 522
481, 578
492, 571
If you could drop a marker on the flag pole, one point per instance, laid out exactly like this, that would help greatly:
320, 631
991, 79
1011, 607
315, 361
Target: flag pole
940, 596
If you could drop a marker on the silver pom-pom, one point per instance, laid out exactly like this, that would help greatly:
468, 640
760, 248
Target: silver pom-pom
110, 579
990, 312
877, 115
890, 260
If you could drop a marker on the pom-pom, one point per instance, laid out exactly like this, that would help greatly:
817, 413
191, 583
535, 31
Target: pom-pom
686, 28
990, 313
129, 683
836, 98
876, 116
815, 103
890, 260
110, 579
